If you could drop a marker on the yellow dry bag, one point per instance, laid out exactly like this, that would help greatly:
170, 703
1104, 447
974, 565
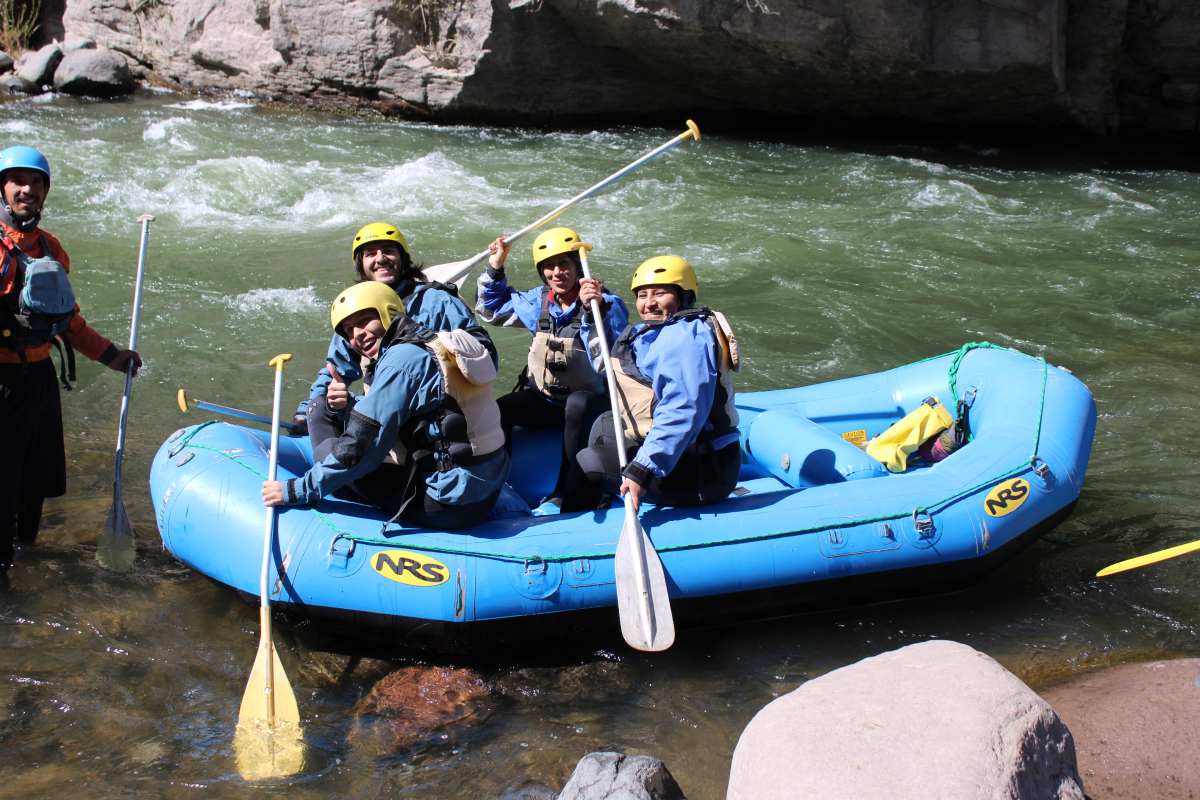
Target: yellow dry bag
893, 447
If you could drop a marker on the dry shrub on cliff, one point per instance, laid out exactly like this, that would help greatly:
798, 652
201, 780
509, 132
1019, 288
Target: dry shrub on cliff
18, 21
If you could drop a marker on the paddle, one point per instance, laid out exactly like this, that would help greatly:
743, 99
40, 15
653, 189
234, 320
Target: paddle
1149, 558
642, 598
184, 401
456, 271
268, 741
114, 548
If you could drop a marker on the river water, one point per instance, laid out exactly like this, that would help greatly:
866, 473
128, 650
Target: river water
831, 261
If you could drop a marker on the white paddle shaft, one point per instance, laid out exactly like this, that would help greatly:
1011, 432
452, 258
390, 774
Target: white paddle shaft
614, 399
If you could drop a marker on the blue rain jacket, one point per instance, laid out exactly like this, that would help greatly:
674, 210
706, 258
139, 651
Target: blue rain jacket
500, 304
679, 358
428, 306
406, 384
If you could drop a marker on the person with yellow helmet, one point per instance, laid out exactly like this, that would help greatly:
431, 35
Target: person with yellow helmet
677, 397
37, 311
559, 387
424, 443
380, 253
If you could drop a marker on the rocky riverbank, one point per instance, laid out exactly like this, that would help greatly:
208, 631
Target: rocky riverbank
931, 720
1042, 69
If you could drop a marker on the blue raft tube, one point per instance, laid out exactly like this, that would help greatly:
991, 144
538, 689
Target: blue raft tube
814, 520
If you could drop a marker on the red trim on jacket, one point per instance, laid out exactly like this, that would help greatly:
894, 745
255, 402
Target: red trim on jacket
83, 337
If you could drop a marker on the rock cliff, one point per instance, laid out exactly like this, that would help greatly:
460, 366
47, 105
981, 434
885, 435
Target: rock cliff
1105, 68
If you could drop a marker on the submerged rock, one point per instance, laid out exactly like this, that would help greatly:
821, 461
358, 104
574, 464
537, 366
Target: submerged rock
599, 776
931, 720
409, 704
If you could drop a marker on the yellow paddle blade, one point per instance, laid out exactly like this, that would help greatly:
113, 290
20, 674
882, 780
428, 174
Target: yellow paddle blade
256, 702
1149, 558
264, 751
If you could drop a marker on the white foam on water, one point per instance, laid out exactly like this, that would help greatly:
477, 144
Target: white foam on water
1094, 187
951, 194
169, 130
426, 186
18, 126
932, 167
257, 301
211, 105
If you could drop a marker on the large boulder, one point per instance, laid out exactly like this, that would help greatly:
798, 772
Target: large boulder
1135, 728
38, 67
931, 720
6, 62
96, 72
599, 776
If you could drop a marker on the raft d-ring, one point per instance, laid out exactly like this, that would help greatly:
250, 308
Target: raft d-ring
535, 566
1040, 467
334, 552
923, 524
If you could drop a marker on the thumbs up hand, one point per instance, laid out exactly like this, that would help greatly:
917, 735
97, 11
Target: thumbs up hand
337, 396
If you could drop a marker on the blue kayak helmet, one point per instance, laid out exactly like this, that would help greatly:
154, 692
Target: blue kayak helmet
20, 156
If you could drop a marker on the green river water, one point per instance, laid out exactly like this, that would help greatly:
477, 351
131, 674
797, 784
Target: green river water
831, 262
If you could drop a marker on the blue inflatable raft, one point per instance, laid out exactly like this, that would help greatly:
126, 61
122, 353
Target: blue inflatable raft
813, 518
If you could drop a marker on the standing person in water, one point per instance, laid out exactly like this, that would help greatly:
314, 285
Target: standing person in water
380, 253
37, 309
424, 443
676, 397
559, 387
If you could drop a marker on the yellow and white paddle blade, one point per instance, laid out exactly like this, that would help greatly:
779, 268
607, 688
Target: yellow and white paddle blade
1149, 558
115, 550
642, 600
264, 750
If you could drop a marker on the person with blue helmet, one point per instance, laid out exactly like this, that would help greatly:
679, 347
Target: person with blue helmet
424, 442
676, 397
559, 387
380, 253
37, 311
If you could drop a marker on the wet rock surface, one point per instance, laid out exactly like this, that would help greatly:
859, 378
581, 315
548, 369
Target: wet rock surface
411, 703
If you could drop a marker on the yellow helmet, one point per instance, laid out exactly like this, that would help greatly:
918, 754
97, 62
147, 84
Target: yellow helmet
377, 232
665, 271
369, 294
553, 242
